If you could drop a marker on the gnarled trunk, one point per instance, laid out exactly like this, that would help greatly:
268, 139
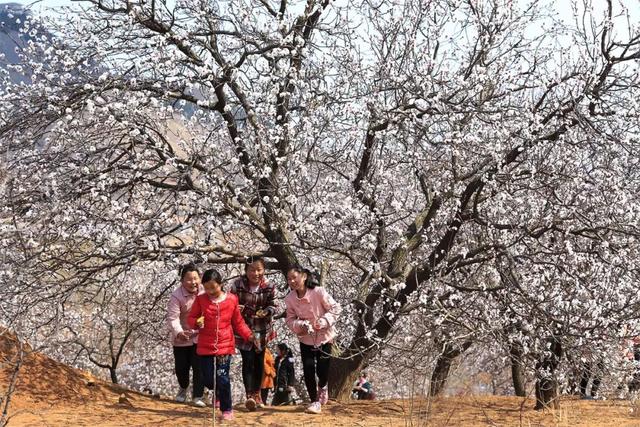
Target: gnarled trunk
443, 366
546, 382
344, 371
516, 352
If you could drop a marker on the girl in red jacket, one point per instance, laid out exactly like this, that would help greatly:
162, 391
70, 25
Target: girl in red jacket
217, 315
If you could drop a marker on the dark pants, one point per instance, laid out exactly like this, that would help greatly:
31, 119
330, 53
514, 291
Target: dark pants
222, 381
593, 371
264, 394
315, 362
281, 398
186, 359
362, 395
252, 368
634, 384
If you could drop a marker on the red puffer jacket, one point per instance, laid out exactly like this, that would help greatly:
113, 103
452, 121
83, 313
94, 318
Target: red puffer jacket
220, 321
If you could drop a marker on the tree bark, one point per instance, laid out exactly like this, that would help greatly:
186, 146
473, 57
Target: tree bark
516, 353
344, 371
546, 382
443, 366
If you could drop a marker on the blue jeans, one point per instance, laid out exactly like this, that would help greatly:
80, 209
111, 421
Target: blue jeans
221, 380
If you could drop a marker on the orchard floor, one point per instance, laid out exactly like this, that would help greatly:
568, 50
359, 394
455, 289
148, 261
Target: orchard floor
51, 394
103, 409
100, 406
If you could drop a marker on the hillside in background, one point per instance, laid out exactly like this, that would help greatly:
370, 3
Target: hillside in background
12, 18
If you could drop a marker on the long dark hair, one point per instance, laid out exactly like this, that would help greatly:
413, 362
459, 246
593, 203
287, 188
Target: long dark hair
313, 278
285, 349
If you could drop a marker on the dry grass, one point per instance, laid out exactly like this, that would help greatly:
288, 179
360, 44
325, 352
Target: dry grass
50, 393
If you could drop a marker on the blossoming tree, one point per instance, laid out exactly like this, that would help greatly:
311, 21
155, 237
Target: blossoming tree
470, 162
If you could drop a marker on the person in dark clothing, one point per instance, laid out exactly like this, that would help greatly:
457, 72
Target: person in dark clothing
256, 297
593, 371
634, 384
285, 376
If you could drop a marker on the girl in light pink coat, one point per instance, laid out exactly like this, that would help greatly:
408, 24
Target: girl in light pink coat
311, 315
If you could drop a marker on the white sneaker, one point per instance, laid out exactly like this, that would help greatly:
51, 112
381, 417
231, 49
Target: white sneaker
181, 397
314, 408
199, 402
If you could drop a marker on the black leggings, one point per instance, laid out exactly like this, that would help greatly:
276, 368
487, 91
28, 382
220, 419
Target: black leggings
281, 398
252, 368
264, 394
315, 362
186, 359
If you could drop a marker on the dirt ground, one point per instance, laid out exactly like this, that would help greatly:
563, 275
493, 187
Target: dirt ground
52, 394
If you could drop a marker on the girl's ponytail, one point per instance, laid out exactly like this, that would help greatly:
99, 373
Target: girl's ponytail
313, 278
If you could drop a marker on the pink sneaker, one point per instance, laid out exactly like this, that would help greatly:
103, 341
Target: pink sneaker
323, 395
227, 416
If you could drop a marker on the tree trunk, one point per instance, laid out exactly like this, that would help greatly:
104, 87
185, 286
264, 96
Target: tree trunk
440, 375
546, 382
344, 372
300, 388
516, 352
443, 366
114, 375
547, 393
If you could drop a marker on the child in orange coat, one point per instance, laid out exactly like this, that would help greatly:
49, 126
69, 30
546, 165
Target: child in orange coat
268, 375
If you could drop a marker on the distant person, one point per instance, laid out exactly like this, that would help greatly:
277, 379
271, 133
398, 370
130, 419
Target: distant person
268, 374
285, 376
184, 338
217, 315
311, 315
590, 371
634, 384
256, 297
362, 389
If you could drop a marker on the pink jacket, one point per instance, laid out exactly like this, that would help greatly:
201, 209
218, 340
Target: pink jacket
303, 312
178, 309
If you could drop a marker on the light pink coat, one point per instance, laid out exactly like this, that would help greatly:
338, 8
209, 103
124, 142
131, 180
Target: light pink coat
316, 304
178, 309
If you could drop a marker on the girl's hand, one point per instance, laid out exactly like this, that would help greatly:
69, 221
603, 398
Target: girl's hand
308, 326
200, 322
256, 342
320, 324
262, 313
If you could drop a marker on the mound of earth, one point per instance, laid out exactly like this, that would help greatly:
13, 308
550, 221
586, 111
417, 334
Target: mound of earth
52, 394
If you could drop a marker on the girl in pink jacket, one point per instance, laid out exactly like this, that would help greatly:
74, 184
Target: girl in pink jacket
311, 315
